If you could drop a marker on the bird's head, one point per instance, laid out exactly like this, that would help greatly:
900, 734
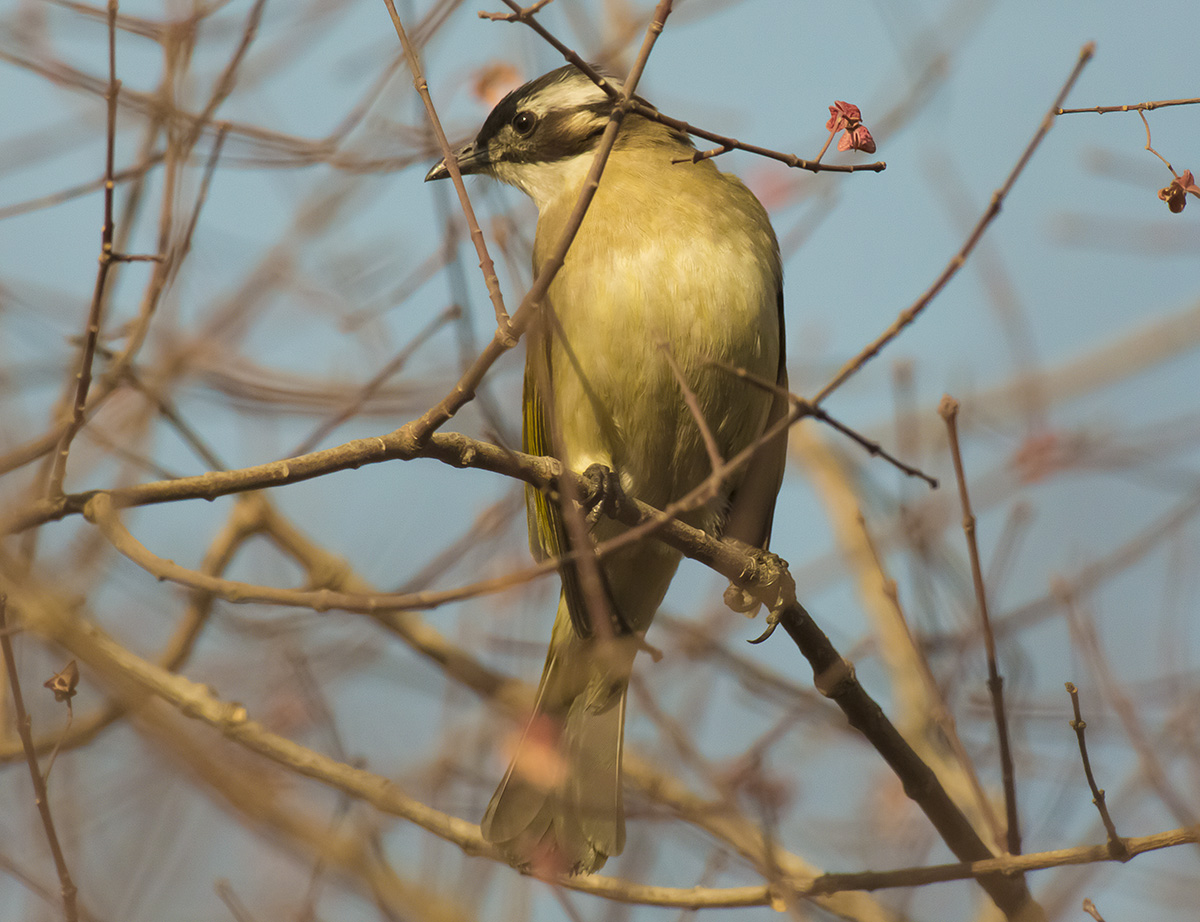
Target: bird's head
557, 116
538, 129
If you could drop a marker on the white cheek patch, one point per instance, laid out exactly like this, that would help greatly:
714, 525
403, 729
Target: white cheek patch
548, 180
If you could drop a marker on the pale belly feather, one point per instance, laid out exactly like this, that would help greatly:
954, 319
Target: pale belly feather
628, 289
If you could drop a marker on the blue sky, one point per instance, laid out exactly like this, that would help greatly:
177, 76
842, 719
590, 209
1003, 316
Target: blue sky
1082, 257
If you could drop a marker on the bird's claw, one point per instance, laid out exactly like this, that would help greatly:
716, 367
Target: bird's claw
772, 623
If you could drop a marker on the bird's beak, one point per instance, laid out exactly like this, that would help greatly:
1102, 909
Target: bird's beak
471, 159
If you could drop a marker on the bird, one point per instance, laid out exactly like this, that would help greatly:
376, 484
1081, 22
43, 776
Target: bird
673, 278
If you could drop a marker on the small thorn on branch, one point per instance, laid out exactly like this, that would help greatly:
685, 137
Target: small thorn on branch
704, 154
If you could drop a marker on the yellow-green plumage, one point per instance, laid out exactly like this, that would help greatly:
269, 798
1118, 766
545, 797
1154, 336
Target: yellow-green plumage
674, 256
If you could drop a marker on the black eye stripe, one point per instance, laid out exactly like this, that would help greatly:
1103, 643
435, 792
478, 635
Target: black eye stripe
511, 107
558, 137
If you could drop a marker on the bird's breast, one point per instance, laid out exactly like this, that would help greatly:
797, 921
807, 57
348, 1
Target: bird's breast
667, 284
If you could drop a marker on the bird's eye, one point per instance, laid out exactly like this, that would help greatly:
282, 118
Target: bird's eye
523, 123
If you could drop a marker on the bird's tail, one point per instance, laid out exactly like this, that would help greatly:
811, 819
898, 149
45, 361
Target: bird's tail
559, 807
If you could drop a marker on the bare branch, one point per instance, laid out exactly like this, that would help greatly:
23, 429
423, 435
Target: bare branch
41, 798
949, 412
1136, 107
503, 323
91, 332
1116, 845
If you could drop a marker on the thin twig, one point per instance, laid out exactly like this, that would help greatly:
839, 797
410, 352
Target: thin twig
63, 432
525, 16
214, 155
693, 405
727, 143
166, 408
521, 14
227, 79
1116, 846
909, 314
504, 329
1005, 864
704, 155
1136, 107
828, 141
91, 334
995, 683
1084, 635
70, 911
1150, 148
872, 447
179, 149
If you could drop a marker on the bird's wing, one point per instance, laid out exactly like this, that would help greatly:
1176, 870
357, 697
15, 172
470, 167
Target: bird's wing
548, 537
752, 504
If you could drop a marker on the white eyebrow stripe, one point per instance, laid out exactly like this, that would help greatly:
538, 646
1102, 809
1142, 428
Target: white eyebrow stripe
576, 93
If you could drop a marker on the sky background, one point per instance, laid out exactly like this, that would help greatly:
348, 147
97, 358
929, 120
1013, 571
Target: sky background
299, 284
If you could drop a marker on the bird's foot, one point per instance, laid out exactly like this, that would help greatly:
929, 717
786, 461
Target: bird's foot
764, 580
602, 492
